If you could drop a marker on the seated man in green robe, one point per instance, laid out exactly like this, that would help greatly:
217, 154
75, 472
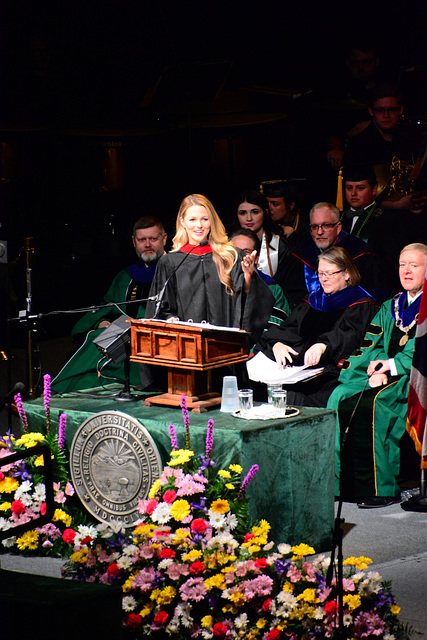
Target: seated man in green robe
84, 369
368, 460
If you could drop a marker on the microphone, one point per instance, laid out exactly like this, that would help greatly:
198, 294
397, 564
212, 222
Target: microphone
18, 388
159, 296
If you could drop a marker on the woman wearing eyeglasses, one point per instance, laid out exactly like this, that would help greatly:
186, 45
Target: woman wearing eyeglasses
322, 329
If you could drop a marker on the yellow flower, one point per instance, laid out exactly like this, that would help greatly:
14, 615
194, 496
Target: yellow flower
308, 595
127, 586
288, 587
180, 509
207, 621
29, 439
154, 489
220, 506
5, 506
254, 548
180, 456
215, 581
180, 536
395, 609
229, 607
155, 594
192, 555
62, 516
229, 486
361, 562
8, 485
352, 601
238, 599
236, 468
301, 550
145, 530
166, 595
261, 623
224, 474
79, 556
28, 540
145, 611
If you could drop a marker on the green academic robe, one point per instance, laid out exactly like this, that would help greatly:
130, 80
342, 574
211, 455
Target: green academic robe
371, 460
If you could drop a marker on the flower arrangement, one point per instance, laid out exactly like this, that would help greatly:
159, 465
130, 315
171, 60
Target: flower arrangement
194, 567
23, 492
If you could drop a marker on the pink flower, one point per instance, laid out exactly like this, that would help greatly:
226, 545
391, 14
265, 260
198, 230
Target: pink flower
294, 574
193, 589
69, 489
149, 508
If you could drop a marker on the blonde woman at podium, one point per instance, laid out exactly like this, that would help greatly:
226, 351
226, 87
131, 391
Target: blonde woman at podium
204, 278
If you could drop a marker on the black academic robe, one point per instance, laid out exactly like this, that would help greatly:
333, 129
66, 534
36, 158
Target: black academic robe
195, 292
340, 329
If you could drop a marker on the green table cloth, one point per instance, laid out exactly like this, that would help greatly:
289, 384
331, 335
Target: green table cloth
294, 488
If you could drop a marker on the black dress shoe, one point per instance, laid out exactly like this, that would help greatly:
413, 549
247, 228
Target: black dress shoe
376, 502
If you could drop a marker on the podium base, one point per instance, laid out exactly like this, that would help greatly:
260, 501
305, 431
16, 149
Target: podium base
197, 404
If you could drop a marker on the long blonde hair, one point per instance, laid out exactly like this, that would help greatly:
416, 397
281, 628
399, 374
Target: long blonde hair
224, 254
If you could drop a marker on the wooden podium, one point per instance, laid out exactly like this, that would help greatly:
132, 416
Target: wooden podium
190, 352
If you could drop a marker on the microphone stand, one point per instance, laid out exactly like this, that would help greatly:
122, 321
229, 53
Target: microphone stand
337, 532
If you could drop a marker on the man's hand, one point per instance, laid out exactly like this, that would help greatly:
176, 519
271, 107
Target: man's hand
314, 353
104, 324
378, 380
385, 366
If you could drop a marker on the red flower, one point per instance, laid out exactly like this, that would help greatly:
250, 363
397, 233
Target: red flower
43, 508
1, 475
113, 569
249, 536
86, 540
167, 553
266, 605
330, 607
274, 634
197, 567
17, 507
69, 535
134, 620
151, 506
199, 525
261, 563
219, 630
169, 496
160, 618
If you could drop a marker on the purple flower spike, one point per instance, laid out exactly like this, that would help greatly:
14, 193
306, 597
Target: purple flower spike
209, 438
62, 430
249, 477
21, 411
47, 394
186, 422
173, 437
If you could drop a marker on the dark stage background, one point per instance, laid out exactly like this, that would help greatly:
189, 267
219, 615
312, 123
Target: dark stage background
112, 110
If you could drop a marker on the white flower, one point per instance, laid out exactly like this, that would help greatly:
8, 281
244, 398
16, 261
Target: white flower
23, 488
5, 524
39, 493
321, 562
124, 562
241, 621
358, 576
216, 520
284, 548
318, 613
347, 619
85, 531
206, 634
162, 513
389, 636
9, 542
231, 521
130, 549
164, 564
26, 499
128, 603
173, 626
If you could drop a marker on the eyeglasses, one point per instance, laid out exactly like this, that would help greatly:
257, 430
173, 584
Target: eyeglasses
386, 109
325, 226
325, 275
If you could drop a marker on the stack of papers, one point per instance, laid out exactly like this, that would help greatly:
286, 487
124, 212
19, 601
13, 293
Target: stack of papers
262, 369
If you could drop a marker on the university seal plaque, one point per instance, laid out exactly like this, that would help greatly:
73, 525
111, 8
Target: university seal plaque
114, 461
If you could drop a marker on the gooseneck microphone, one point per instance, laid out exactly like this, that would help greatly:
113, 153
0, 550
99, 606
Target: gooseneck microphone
160, 295
18, 388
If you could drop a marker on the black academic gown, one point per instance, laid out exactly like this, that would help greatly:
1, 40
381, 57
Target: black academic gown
195, 292
341, 328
